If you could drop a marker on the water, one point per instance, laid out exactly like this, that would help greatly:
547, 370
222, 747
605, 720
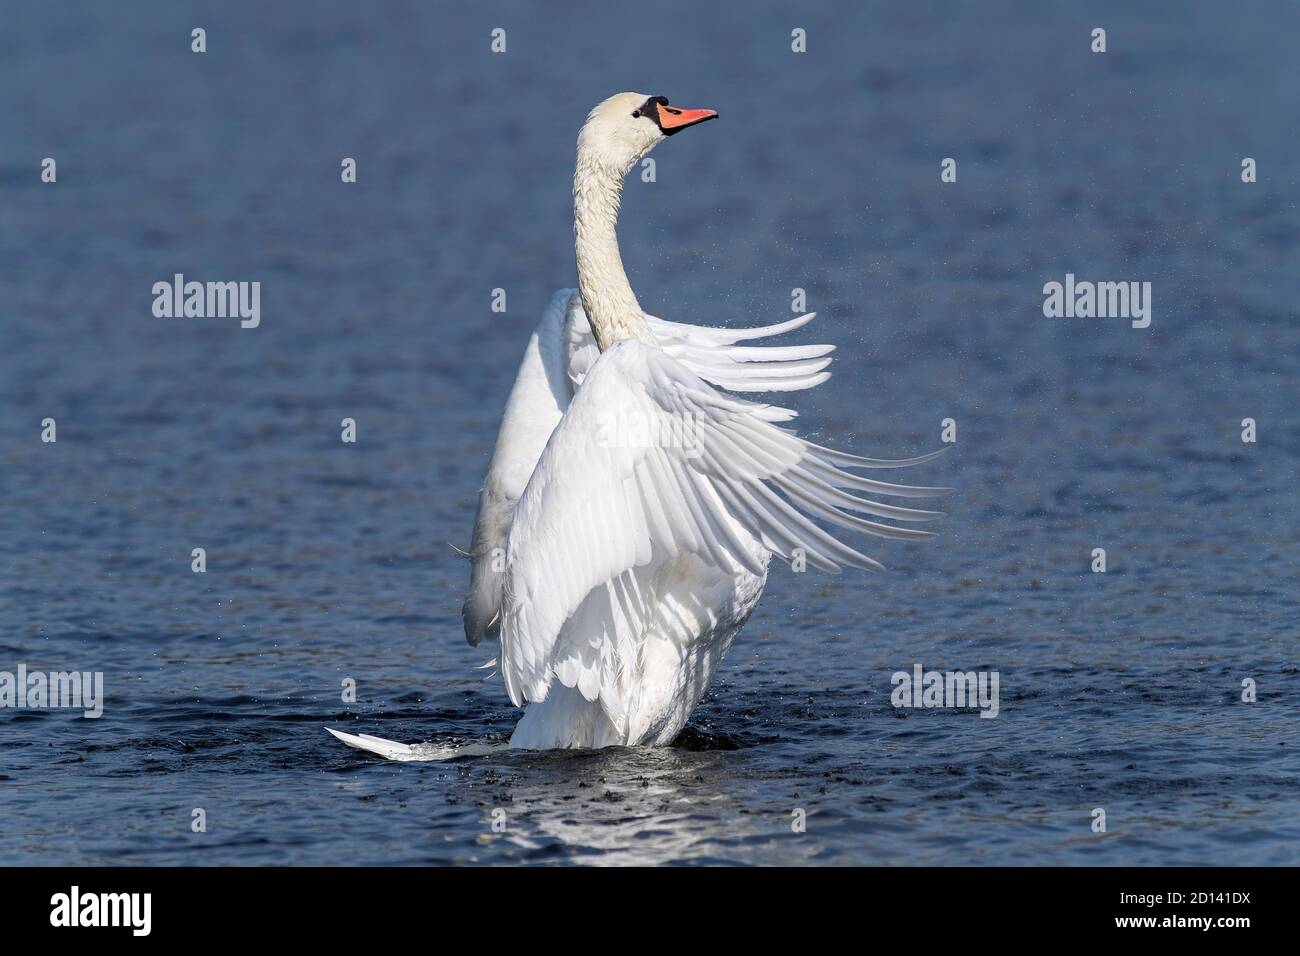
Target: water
328, 561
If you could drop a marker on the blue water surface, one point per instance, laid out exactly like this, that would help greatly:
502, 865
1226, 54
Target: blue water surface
326, 561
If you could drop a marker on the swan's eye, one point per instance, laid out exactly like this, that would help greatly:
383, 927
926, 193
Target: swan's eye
636, 113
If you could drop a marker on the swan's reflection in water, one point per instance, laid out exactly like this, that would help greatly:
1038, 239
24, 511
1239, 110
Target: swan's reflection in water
636, 806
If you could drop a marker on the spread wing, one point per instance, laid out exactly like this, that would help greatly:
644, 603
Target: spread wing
560, 352
649, 461
715, 355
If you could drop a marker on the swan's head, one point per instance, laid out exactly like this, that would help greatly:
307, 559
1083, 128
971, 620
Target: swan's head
626, 126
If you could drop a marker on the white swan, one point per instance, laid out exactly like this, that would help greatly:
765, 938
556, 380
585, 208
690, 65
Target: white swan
631, 506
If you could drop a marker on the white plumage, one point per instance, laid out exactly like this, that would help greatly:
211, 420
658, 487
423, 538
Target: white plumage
632, 503
630, 565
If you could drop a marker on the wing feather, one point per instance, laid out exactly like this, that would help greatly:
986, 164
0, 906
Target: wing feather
560, 354
610, 504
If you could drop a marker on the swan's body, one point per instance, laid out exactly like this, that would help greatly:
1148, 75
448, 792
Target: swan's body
631, 507
688, 609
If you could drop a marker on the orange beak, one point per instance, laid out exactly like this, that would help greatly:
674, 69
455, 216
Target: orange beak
672, 119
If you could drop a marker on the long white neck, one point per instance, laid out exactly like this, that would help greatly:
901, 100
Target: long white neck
607, 296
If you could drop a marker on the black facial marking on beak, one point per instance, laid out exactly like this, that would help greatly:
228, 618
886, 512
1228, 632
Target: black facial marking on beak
650, 108
670, 119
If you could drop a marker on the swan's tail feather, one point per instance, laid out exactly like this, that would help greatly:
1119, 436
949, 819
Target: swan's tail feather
375, 745
392, 750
